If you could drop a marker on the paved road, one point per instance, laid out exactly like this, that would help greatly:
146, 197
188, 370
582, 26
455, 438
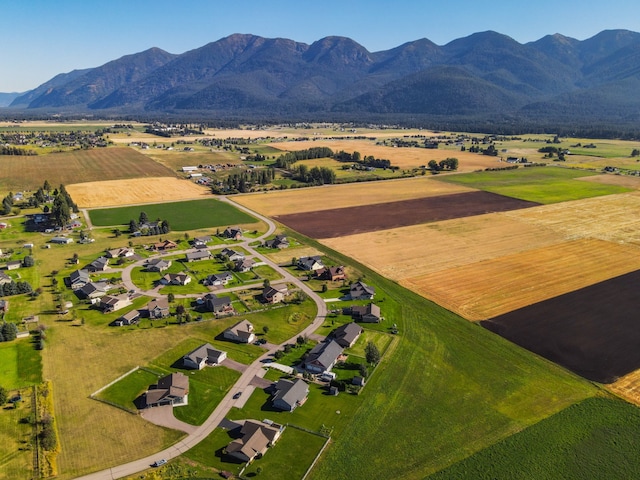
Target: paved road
243, 384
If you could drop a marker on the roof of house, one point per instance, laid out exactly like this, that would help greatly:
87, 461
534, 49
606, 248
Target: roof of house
174, 385
290, 393
230, 252
359, 288
242, 329
325, 354
79, 275
346, 334
370, 309
199, 255
271, 290
130, 316
212, 301
158, 263
100, 263
161, 303
245, 263
308, 262
205, 351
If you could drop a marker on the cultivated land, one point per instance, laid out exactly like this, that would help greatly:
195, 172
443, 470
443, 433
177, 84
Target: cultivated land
370, 218
134, 191
19, 173
351, 195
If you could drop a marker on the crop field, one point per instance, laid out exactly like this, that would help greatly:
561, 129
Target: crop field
371, 218
404, 158
176, 159
189, 215
595, 438
352, 195
591, 331
619, 180
113, 193
536, 184
482, 290
19, 173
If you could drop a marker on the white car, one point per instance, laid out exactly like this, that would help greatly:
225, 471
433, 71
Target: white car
159, 463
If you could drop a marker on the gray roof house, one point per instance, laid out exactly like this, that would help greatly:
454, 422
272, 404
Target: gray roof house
202, 356
290, 394
198, 255
217, 279
346, 335
231, 254
244, 265
280, 241
92, 290
256, 438
310, 263
361, 291
98, 265
157, 265
323, 357
157, 308
216, 304
241, 332
232, 232
78, 279
170, 390
367, 313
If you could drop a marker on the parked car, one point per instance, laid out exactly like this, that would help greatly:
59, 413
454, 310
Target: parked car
237, 395
159, 463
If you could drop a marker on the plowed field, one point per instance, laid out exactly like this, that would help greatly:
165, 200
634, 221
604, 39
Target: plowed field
593, 331
493, 287
370, 218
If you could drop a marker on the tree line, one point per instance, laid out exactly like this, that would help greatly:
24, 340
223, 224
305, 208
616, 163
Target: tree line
287, 159
146, 228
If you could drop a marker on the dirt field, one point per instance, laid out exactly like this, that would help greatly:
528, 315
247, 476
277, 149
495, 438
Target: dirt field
494, 287
628, 387
620, 180
19, 173
136, 190
612, 217
349, 195
402, 157
383, 216
432, 247
593, 332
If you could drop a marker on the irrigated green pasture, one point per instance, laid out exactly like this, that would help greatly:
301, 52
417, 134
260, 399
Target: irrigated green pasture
596, 438
20, 364
182, 216
536, 184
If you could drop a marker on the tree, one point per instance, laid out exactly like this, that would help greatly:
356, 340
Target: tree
180, 310
265, 329
28, 261
133, 226
9, 331
433, 166
301, 340
372, 354
266, 283
635, 152
171, 298
117, 232
143, 218
60, 212
46, 186
4, 396
363, 370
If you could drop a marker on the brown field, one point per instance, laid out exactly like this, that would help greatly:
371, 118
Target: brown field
593, 331
382, 216
404, 158
420, 249
628, 387
136, 190
313, 199
285, 256
620, 180
611, 217
28, 173
494, 287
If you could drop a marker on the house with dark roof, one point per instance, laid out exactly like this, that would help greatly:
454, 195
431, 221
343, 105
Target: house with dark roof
241, 332
310, 263
201, 242
244, 265
255, 438
218, 279
157, 265
361, 291
78, 279
92, 290
98, 265
234, 233
323, 357
202, 356
157, 308
366, 313
218, 305
346, 335
165, 245
231, 254
198, 255
280, 241
111, 303
170, 390
288, 395
176, 279
332, 274
274, 293
129, 318
4, 278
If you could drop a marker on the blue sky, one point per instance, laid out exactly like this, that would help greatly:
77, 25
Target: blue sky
41, 38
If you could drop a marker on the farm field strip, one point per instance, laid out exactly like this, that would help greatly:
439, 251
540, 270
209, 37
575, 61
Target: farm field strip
347, 195
112, 193
494, 287
420, 249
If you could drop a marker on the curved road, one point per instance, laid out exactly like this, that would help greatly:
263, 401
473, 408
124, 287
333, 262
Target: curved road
243, 382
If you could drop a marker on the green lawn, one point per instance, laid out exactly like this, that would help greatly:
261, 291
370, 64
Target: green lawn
181, 216
20, 364
596, 438
536, 184
16, 440
127, 389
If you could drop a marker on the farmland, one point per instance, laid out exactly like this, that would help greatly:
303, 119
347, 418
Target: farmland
182, 216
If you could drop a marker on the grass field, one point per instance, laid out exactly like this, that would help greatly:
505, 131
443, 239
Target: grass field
20, 364
127, 389
593, 439
133, 191
190, 215
28, 173
16, 438
351, 195
537, 184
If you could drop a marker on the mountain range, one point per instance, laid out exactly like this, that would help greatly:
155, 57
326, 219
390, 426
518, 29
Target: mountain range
485, 75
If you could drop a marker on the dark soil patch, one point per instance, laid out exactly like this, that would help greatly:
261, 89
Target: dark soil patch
339, 222
595, 331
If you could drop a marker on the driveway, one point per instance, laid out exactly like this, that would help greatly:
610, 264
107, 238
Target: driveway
163, 416
233, 365
260, 382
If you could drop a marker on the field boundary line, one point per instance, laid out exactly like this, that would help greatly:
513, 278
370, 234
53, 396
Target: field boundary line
115, 381
315, 460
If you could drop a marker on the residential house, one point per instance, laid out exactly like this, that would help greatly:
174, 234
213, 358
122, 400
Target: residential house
290, 394
176, 279
78, 279
93, 290
201, 242
256, 437
120, 253
198, 255
231, 254
61, 240
274, 294
280, 241
241, 332
346, 335
218, 305
110, 303
165, 245
310, 263
129, 318
4, 278
218, 279
244, 265
234, 233
332, 274
157, 308
202, 356
361, 291
170, 390
157, 265
98, 265
367, 313
14, 265
323, 357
